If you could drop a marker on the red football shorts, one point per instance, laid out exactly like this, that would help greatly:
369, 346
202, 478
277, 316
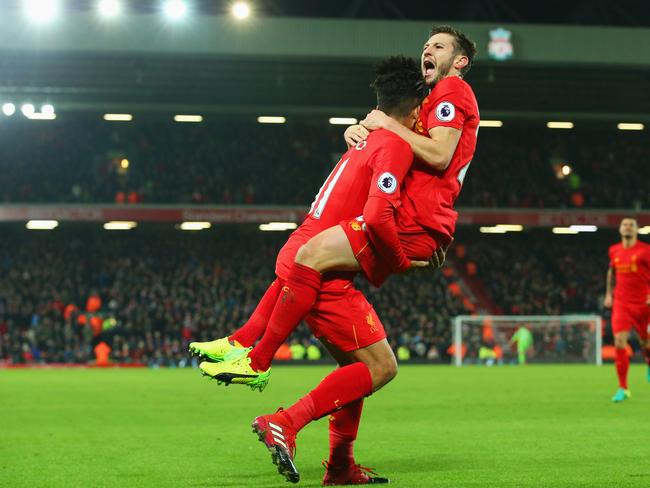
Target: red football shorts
345, 318
625, 316
416, 245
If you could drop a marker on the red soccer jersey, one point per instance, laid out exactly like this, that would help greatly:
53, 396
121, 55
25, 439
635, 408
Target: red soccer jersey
632, 268
374, 167
429, 195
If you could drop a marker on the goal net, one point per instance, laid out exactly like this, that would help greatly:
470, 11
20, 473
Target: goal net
517, 339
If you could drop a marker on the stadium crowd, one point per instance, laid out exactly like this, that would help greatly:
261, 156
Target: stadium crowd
149, 293
211, 163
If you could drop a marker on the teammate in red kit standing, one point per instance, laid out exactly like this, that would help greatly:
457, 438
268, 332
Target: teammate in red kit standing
629, 265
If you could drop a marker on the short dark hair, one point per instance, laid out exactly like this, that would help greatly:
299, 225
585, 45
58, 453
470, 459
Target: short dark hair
462, 44
630, 218
399, 85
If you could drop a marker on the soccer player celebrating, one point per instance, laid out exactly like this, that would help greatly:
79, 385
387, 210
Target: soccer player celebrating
629, 265
444, 144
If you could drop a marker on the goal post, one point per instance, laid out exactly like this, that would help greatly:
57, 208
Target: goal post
488, 339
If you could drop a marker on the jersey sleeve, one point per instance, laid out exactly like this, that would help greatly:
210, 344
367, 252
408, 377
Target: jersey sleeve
389, 168
449, 105
379, 216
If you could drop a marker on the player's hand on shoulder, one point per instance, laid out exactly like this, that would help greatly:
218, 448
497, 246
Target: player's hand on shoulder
376, 120
355, 134
607, 302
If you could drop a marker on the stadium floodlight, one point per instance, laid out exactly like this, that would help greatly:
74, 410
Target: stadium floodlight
278, 226
343, 121
28, 109
644, 230
42, 224
8, 109
584, 228
175, 9
118, 117
630, 126
490, 123
195, 225
41, 11
511, 227
109, 8
120, 225
41, 116
566, 170
269, 119
559, 125
188, 118
241, 10
492, 230
564, 230
124, 163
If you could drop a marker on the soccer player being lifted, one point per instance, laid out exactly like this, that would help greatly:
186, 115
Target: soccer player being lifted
367, 180
444, 140
450, 116
628, 292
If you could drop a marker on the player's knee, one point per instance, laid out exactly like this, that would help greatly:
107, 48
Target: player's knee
383, 372
620, 342
307, 254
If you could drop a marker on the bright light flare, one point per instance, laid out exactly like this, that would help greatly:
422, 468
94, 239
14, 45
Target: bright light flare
343, 121
109, 8
195, 225
490, 123
630, 126
584, 228
278, 226
118, 117
566, 170
241, 10
564, 230
120, 225
559, 125
645, 230
271, 119
175, 9
28, 110
8, 109
41, 11
124, 164
42, 224
188, 118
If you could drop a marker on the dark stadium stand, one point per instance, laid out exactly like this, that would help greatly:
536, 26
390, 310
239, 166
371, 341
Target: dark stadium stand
164, 288
79, 161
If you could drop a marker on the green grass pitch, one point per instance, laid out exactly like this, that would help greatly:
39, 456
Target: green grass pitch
533, 426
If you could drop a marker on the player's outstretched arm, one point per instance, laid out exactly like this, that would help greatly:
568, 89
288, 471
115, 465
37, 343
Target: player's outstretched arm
436, 150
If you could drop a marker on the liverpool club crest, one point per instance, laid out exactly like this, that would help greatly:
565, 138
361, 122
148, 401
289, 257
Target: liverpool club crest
500, 45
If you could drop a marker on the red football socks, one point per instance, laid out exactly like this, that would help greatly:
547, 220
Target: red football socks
622, 365
254, 328
339, 388
296, 299
344, 425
